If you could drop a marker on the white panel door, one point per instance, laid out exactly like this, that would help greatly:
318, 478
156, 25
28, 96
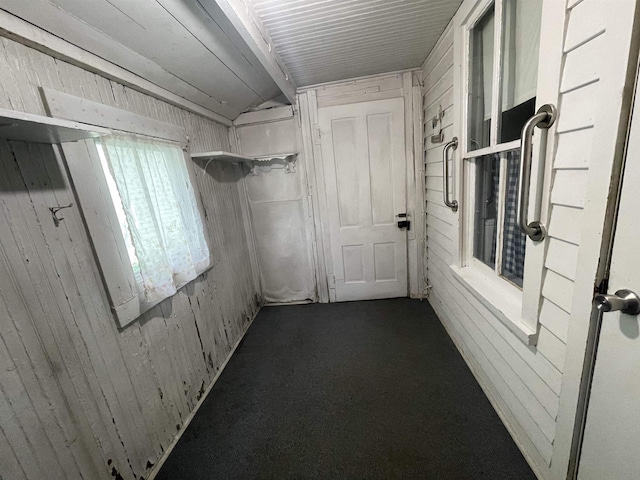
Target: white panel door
365, 174
611, 441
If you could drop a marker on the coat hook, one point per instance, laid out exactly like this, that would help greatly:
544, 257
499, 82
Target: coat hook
436, 121
54, 213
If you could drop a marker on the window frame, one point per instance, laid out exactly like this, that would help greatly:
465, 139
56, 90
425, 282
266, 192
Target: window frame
92, 192
517, 309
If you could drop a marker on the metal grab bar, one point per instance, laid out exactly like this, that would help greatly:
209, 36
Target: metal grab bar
544, 118
452, 145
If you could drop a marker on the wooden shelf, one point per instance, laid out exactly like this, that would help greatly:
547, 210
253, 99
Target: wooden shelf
221, 156
27, 127
255, 164
233, 157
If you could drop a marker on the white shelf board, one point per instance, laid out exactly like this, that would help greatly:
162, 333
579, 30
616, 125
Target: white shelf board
222, 156
275, 156
233, 157
27, 127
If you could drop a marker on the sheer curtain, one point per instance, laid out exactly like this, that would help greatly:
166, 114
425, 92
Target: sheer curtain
157, 210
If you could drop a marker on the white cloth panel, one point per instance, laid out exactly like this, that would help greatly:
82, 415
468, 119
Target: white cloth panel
158, 213
522, 19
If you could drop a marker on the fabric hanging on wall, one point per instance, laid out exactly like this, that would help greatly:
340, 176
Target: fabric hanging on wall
158, 213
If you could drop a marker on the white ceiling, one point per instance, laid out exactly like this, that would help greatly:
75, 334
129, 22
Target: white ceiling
327, 40
185, 46
191, 48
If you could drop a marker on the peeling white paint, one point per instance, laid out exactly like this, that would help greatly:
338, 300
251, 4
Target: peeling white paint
79, 398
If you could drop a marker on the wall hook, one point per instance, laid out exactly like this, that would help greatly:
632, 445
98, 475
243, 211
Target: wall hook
436, 121
54, 213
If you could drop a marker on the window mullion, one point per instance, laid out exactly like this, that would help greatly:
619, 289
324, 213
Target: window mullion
469, 172
496, 88
502, 202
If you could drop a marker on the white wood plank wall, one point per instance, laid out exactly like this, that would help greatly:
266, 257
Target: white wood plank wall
78, 398
523, 382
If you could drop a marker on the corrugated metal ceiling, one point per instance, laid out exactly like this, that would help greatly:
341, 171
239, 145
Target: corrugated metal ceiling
327, 40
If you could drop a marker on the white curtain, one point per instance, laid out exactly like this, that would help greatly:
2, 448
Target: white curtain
158, 213
522, 19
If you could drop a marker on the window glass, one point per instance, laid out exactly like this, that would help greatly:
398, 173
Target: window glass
486, 208
513, 240
497, 241
520, 45
480, 91
157, 211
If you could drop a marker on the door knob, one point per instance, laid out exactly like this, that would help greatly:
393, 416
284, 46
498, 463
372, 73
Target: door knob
624, 301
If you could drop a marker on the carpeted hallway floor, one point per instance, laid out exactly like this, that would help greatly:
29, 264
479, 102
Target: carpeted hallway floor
360, 390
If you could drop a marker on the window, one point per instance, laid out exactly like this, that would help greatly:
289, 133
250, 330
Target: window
135, 192
501, 97
157, 213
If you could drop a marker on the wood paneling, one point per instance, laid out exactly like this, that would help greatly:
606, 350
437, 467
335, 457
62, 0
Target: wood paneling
81, 399
329, 40
524, 382
176, 45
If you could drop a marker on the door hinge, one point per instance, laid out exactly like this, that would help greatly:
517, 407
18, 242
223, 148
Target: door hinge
331, 280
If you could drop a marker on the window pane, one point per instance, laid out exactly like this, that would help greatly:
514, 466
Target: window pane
157, 211
480, 91
122, 217
521, 41
486, 208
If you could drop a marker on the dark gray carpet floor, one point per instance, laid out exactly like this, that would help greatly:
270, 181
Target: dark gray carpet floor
360, 390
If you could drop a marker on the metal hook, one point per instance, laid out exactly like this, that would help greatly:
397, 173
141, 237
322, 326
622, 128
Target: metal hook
54, 213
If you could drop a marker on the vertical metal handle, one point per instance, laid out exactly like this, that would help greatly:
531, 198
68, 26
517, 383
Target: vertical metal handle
452, 145
544, 118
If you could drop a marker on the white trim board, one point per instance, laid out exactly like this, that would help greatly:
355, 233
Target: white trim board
28, 34
309, 149
356, 79
77, 109
158, 466
27, 127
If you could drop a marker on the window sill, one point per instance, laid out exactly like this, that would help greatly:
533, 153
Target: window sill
498, 300
134, 308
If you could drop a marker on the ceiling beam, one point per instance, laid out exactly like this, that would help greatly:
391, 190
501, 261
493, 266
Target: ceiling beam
245, 21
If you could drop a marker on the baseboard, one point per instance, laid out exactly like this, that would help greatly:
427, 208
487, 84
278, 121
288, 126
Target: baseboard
185, 425
518, 436
294, 302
